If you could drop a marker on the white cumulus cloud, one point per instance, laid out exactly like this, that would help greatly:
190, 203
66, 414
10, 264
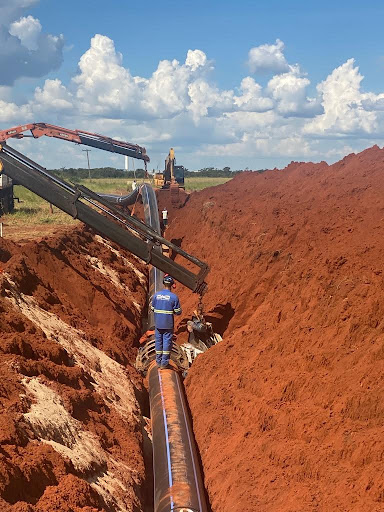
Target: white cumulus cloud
289, 90
27, 29
343, 100
53, 95
252, 99
25, 50
268, 58
196, 59
106, 87
179, 104
206, 99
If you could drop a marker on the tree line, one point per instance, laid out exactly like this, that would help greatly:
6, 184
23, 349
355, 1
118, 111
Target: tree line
76, 174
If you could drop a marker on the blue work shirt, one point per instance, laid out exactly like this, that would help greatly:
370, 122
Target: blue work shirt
165, 304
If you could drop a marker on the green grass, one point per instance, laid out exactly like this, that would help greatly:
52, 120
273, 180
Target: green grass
32, 209
121, 186
194, 184
108, 185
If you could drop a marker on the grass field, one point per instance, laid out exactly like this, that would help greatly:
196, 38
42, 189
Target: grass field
120, 186
34, 215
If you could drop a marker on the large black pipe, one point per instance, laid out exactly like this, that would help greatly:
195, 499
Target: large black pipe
151, 214
126, 200
177, 473
178, 484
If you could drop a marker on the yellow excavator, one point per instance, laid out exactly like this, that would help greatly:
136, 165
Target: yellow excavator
172, 178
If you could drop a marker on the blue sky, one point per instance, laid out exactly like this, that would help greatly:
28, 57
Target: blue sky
319, 35
215, 122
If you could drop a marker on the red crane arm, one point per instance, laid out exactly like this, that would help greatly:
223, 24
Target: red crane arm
77, 136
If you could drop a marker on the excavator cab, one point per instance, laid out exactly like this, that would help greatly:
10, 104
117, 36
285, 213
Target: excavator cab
179, 171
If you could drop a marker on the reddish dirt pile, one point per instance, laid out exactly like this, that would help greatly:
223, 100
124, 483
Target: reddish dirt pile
164, 200
70, 425
289, 409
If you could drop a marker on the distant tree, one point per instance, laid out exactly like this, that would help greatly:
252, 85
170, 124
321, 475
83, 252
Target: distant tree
75, 175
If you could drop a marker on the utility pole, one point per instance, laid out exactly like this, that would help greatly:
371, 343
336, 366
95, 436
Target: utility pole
89, 167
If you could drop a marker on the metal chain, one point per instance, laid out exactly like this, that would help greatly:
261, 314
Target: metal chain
200, 305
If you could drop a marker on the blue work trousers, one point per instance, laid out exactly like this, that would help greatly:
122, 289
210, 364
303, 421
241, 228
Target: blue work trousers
163, 345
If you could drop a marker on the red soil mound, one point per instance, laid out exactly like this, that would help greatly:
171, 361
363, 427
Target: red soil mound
288, 410
65, 445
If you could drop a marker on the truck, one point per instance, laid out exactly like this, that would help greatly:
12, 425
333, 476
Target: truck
6, 194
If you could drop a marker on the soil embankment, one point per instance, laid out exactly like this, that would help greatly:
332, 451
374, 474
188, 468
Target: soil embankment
71, 431
288, 410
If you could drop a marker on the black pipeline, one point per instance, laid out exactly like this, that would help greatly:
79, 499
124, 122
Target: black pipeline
178, 485
177, 474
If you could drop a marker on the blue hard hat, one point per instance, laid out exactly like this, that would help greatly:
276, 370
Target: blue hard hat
167, 279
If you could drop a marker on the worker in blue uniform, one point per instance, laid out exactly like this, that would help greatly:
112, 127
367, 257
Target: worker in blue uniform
165, 304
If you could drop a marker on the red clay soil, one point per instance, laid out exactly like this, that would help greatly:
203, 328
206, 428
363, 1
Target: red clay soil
164, 200
288, 410
58, 275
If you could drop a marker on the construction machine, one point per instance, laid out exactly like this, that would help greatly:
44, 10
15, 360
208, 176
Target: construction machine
6, 194
111, 222
172, 179
142, 239
105, 218
94, 140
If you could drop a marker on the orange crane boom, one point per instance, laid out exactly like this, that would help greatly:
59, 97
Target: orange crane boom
94, 140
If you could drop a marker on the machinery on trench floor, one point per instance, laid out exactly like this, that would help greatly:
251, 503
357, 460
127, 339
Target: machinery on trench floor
171, 181
201, 337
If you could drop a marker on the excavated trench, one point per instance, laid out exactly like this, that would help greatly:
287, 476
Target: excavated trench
72, 430
96, 464
75, 414
287, 411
